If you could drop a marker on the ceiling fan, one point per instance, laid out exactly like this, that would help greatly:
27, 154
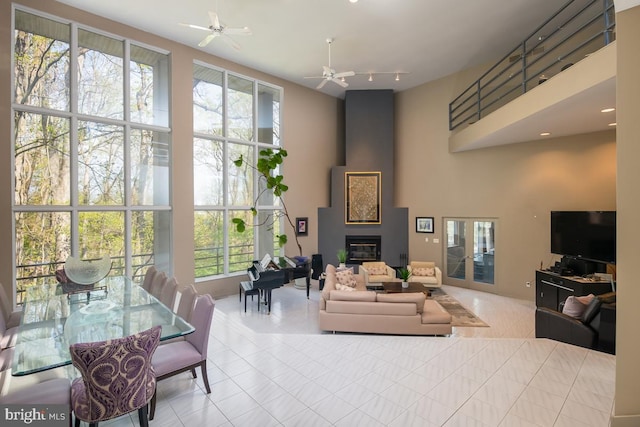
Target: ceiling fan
218, 29
330, 75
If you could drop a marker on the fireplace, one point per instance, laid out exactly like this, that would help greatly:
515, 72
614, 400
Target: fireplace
363, 248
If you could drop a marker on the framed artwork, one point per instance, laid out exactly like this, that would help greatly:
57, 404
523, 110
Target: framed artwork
362, 197
301, 226
424, 224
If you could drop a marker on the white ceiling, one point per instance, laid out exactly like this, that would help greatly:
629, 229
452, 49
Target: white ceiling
428, 39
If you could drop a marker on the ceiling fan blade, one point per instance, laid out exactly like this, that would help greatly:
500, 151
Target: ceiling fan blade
207, 39
231, 42
214, 19
245, 31
345, 74
340, 82
322, 83
195, 27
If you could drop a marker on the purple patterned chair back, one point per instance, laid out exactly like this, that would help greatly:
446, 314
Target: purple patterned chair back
117, 376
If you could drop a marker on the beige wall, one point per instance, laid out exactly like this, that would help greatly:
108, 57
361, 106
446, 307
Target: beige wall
517, 184
627, 406
311, 130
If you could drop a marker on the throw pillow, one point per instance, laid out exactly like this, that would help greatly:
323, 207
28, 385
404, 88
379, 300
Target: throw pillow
574, 307
377, 271
424, 271
345, 277
342, 287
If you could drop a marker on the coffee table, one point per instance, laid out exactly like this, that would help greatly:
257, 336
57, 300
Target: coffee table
396, 287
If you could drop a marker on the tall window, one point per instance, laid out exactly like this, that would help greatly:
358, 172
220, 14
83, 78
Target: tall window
91, 149
233, 116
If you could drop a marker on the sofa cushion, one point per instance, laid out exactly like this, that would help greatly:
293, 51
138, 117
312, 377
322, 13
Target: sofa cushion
433, 312
424, 271
337, 295
417, 298
377, 270
345, 277
341, 287
371, 308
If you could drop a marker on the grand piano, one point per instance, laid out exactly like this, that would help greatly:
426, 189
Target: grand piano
267, 275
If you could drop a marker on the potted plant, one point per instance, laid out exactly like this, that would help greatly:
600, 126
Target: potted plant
342, 257
404, 274
267, 168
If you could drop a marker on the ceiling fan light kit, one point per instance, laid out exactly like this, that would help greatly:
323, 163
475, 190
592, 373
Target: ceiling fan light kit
330, 75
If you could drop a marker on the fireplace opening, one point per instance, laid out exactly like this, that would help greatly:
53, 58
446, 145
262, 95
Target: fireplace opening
363, 248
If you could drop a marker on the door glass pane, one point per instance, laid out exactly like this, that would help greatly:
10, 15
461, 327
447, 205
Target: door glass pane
456, 253
483, 251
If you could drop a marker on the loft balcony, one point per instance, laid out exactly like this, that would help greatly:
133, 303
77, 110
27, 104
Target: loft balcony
557, 81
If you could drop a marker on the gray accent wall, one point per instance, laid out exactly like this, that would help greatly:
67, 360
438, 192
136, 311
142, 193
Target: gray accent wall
369, 147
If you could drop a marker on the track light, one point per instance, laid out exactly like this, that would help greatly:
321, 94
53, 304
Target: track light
397, 77
370, 77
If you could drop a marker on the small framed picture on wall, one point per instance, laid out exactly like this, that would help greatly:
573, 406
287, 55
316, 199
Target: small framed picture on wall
301, 226
424, 224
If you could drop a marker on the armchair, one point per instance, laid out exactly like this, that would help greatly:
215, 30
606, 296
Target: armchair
582, 331
425, 272
377, 272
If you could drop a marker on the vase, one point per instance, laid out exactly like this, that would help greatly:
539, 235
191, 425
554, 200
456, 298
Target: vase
342, 265
405, 284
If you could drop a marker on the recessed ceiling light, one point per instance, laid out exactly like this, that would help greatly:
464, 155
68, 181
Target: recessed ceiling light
545, 134
613, 124
607, 110
353, 1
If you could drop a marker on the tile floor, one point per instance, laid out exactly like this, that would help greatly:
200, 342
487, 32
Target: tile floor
280, 370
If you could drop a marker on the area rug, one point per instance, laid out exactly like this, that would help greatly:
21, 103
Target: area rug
460, 315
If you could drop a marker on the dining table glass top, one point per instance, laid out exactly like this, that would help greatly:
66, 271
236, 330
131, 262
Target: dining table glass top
54, 317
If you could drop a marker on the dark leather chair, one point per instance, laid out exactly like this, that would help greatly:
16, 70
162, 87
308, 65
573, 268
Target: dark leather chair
581, 331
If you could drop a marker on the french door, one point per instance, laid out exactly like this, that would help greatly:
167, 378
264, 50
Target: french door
470, 253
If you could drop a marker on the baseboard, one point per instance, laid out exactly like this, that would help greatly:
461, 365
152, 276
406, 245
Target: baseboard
625, 420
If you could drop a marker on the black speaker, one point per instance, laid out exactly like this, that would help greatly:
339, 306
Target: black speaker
317, 266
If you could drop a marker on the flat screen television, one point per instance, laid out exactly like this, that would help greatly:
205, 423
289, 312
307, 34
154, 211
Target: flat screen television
588, 235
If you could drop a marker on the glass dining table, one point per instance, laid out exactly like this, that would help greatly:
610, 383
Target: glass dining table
53, 319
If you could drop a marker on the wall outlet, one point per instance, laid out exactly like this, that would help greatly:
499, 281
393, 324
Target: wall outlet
426, 239
528, 284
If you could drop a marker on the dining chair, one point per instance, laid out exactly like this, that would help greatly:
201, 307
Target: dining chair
148, 278
187, 301
158, 283
116, 377
8, 335
181, 356
168, 292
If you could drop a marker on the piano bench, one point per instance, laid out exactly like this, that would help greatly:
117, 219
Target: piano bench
247, 289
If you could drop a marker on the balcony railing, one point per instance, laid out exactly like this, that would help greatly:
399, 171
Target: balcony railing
578, 29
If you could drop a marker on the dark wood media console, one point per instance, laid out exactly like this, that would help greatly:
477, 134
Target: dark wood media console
553, 289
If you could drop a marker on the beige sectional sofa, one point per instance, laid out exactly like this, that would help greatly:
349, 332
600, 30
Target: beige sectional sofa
367, 311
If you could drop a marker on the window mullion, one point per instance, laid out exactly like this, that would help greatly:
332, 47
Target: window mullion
73, 139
